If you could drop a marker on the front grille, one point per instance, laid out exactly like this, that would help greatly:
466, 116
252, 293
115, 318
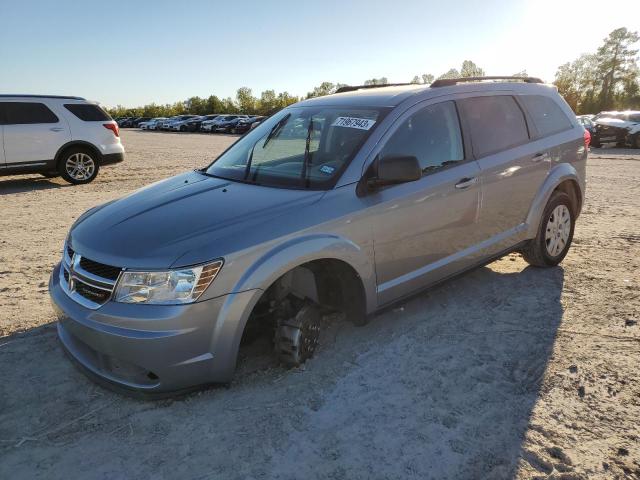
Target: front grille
100, 269
93, 294
88, 282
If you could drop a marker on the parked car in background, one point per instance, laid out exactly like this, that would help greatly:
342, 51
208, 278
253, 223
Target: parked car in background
194, 124
56, 136
164, 124
123, 120
587, 123
181, 124
621, 128
255, 124
150, 124
385, 192
243, 125
132, 122
136, 123
155, 124
224, 123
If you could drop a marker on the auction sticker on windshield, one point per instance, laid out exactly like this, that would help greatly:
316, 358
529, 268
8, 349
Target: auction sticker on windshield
352, 122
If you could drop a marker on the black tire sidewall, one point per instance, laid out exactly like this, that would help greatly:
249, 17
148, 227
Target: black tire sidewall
62, 169
559, 198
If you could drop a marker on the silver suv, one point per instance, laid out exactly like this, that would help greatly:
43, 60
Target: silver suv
345, 203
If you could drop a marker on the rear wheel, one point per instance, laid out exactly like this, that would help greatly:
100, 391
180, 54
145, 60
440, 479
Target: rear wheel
79, 166
636, 140
555, 233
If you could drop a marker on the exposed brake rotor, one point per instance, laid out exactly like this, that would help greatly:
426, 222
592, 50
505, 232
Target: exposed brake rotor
297, 337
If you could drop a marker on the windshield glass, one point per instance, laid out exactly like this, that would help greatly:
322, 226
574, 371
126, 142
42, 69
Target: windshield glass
300, 147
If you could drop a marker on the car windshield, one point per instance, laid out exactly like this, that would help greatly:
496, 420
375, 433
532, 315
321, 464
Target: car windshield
300, 147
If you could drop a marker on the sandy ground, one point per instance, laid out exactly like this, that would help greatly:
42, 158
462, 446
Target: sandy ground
507, 372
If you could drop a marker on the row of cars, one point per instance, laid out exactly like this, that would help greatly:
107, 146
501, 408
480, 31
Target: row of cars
213, 123
621, 128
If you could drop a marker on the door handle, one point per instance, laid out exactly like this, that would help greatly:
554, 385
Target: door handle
56, 129
466, 182
538, 157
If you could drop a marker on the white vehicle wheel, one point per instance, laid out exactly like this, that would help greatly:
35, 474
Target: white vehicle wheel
79, 166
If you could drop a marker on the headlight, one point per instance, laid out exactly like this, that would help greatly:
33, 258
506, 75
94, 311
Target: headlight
172, 287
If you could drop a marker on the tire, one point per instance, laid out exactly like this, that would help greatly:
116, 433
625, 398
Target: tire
183, 128
555, 233
78, 166
636, 140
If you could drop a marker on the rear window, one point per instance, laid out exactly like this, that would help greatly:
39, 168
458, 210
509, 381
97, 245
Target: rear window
496, 123
88, 112
547, 116
22, 113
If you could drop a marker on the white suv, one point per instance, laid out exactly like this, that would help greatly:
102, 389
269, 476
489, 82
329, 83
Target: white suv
56, 136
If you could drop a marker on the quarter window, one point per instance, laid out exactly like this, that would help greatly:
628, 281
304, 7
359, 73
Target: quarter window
496, 123
432, 135
88, 112
21, 113
547, 116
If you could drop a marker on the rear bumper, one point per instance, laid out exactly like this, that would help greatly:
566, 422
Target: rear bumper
152, 349
111, 158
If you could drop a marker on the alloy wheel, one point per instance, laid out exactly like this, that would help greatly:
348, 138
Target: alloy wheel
80, 166
558, 230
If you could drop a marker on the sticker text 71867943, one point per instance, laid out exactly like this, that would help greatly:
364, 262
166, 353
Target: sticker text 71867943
353, 122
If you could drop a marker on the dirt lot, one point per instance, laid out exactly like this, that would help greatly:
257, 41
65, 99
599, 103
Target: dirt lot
507, 372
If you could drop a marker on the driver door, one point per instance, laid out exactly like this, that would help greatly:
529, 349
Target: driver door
421, 229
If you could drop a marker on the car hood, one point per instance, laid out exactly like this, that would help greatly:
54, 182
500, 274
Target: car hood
161, 224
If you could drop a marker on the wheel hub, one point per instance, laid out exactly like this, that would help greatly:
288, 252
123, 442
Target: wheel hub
297, 338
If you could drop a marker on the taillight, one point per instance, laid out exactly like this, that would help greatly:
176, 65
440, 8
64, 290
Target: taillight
587, 138
113, 127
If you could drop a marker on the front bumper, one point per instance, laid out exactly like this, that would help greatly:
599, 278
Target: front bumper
153, 349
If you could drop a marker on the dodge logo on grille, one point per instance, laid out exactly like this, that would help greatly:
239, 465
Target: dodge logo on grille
75, 261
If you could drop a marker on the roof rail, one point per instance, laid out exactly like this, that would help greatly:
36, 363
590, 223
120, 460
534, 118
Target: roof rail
26, 95
352, 88
447, 82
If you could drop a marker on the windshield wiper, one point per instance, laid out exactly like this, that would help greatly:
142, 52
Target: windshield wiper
276, 129
307, 154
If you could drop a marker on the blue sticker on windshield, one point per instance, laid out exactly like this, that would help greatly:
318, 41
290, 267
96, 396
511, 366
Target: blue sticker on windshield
327, 169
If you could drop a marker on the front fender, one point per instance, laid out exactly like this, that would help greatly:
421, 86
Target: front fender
277, 261
558, 174
297, 251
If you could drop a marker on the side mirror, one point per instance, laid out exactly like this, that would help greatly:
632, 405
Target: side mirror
396, 169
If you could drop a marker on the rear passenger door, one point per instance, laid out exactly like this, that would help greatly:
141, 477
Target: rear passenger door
32, 132
512, 166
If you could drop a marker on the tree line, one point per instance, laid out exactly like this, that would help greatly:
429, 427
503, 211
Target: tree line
608, 79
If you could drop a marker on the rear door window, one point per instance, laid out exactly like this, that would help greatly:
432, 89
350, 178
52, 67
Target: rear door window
547, 116
87, 112
432, 135
496, 123
24, 113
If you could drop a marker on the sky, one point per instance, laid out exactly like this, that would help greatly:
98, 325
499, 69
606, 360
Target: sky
136, 52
